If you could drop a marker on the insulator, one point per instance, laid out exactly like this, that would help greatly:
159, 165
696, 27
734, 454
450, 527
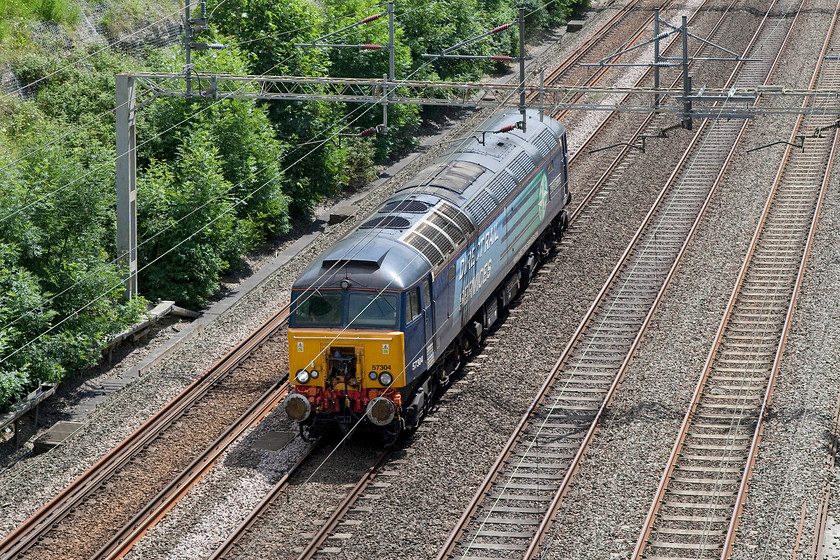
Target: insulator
502, 27
206, 46
371, 47
507, 128
368, 132
502, 57
371, 18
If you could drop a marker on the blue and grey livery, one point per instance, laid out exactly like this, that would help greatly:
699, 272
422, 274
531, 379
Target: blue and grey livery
431, 269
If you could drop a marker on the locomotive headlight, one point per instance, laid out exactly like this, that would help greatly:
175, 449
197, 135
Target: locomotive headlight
385, 378
313, 374
372, 376
302, 376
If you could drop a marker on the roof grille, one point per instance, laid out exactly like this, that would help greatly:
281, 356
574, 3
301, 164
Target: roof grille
437, 237
502, 186
521, 166
409, 206
460, 219
449, 227
545, 142
427, 249
482, 206
390, 222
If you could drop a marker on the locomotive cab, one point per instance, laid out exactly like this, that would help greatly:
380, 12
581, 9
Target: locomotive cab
353, 324
345, 350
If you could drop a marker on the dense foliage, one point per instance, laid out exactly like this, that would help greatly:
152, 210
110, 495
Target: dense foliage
215, 179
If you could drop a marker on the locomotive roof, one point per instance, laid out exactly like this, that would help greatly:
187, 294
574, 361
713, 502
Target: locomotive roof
368, 259
447, 200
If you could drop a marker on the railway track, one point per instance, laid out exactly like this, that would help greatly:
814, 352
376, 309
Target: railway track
514, 507
29, 538
250, 525
625, 28
42, 535
697, 506
648, 126
316, 544
227, 548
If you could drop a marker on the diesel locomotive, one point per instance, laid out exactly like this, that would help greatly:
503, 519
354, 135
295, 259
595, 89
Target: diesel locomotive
382, 319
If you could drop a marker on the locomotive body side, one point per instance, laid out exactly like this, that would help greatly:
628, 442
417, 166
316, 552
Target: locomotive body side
384, 317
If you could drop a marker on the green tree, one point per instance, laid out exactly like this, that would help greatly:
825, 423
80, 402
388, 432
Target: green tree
187, 224
314, 166
59, 289
403, 120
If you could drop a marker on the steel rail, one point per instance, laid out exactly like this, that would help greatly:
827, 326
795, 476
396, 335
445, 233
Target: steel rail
547, 520
625, 150
496, 468
822, 511
659, 497
27, 534
338, 514
742, 490
248, 523
589, 46
718, 337
122, 542
131, 533
753, 453
456, 534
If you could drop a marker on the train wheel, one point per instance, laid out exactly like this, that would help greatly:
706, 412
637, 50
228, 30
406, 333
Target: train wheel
544, 246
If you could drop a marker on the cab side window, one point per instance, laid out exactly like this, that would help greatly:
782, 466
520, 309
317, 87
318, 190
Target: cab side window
413, 305
427, 294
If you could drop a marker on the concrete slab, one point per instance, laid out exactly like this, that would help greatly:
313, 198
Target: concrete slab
574, 25
55, 435
341, 213
831, 539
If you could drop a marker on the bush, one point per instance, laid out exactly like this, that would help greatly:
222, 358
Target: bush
187, 224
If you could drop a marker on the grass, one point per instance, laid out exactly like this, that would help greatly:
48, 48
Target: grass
123, 16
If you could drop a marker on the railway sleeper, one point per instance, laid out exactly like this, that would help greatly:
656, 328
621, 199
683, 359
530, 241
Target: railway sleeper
502, 496
706, 505
693, 492
701, 520
502, 534
677, 531
687, 545
685, 480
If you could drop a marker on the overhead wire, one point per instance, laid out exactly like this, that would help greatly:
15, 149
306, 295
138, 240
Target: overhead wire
358, 422
165, 253
176, 222
222, 214
81, 127
367, 110
173, 224
104, 294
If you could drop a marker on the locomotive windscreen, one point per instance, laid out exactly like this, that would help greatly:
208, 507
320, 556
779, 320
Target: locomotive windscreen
319, 309
353, 309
